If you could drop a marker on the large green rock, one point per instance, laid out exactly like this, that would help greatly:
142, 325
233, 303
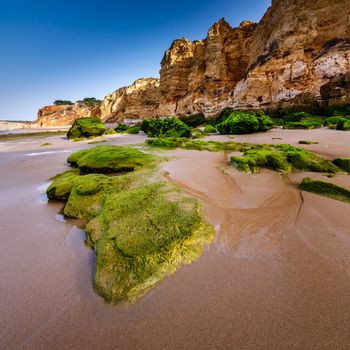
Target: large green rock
168, 127
85, 128
141, 230
110, 159
245, 123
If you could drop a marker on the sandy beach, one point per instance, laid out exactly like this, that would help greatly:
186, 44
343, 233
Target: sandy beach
275, 277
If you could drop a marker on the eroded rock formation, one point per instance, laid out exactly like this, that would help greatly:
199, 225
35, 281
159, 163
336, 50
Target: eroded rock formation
141, 99
62, 115
299, 49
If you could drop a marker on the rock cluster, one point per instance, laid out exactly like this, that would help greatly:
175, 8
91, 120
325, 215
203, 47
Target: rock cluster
295, 58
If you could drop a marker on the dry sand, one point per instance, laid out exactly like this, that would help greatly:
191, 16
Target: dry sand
276, 276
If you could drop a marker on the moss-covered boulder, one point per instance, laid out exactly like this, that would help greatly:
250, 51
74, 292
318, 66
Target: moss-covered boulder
245, 123
61, 187
110, 159
121, 128
325, 189
337, 122
143, 235
284, 158
168, 127
193, 120
85, 128
133, 130
210, 129
140, 230
343, 163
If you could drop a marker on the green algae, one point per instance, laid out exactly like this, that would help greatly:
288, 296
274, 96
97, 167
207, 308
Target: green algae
110, 159
343, 163
143, 235
210, 129
141, 231
168, 127
245, 123
197, 145
86, 128
303, 142
61, 187
283, 158
325, 189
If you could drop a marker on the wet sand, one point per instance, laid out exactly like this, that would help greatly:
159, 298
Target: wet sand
276, 276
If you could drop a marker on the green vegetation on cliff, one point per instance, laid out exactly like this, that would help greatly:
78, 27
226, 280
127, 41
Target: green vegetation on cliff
141, 231
85, 128
325, 189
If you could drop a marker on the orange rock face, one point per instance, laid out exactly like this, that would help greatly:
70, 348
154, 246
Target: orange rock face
283, 62
63, 115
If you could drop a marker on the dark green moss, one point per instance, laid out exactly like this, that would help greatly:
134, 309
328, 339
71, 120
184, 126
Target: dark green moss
110, 159
133, 130
85, 128
121, 128
296, 117
307, 123
302, 142
325, 189
168, 127
343, 163
193, 120
245, 123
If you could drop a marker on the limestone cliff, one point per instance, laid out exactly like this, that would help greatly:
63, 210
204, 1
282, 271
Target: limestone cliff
63, 115
297, 57
141, 99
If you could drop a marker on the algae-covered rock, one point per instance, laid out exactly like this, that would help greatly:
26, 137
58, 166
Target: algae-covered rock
245, 123
284, 158
145, 234
343, 163
141, 231
198, 145
168, 127
86, 127
210, 129
61, 187
325, 189
110, 159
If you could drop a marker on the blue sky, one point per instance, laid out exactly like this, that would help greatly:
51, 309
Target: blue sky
74, 49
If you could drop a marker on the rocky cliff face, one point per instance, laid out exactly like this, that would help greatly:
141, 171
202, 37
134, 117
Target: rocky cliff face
285, 62
52, 116
141, 99
296, 48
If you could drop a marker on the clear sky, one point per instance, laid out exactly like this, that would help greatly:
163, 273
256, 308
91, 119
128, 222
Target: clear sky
74, 49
